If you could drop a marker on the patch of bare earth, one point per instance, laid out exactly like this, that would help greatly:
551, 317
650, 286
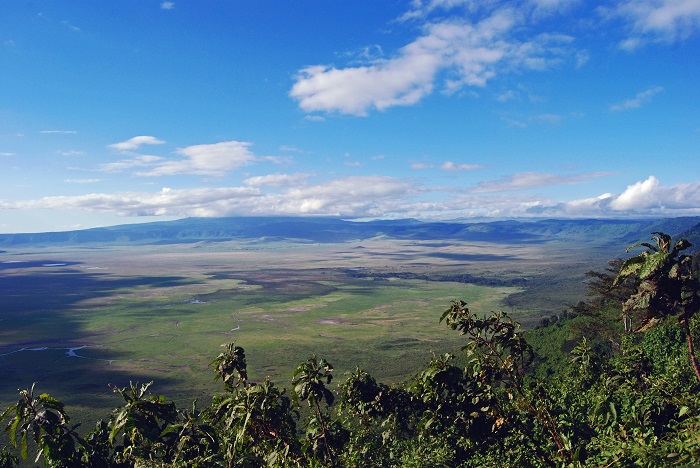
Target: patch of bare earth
333, 321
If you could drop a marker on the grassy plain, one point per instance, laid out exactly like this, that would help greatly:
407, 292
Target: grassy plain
77, 318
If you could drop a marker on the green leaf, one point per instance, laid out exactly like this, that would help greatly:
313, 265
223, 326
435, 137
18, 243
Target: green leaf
23, 446
13, 430
683, 410
8, 411
630, 268
613, 411
643, 244
653, 264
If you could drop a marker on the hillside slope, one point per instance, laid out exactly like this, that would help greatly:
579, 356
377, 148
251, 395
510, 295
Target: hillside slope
323, 230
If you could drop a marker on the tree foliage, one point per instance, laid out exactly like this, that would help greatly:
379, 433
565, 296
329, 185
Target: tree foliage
666, 288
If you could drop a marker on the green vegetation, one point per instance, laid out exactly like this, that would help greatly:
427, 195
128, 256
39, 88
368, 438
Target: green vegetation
144, 312
586, 388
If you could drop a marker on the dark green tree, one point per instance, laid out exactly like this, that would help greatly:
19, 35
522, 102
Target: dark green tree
498, 356
666, 288
141, 425
45, 420
309, 381
255, 421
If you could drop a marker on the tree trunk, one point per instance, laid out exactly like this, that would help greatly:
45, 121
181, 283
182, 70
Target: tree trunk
691, 347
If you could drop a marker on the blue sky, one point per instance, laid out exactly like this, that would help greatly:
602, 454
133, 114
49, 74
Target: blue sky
125, 111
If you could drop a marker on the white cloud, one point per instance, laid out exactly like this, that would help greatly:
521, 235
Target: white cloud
657, 20
354, 90
532, 180
186, 202
167, 5
378, 196
453, 167
645, 198
209, 159
467, 53
350, 196
641, 195
125, 164
7, 154
276, 180
64, 132
638, 100
213, 160
136, 142
421, 166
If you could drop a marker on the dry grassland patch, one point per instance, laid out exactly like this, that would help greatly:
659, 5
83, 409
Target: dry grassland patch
335, 321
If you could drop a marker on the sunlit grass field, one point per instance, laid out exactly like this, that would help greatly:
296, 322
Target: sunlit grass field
76, 320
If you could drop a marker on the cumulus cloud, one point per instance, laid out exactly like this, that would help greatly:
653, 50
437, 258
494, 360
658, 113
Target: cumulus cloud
643, 198
532, 180
651, 195
379, 196
638, 100
465, 52
453, 167
213, 160
186, 202
350, 196
136, 142
657, 20
641, 195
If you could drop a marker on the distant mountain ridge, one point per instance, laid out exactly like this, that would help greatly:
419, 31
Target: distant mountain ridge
324, 230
